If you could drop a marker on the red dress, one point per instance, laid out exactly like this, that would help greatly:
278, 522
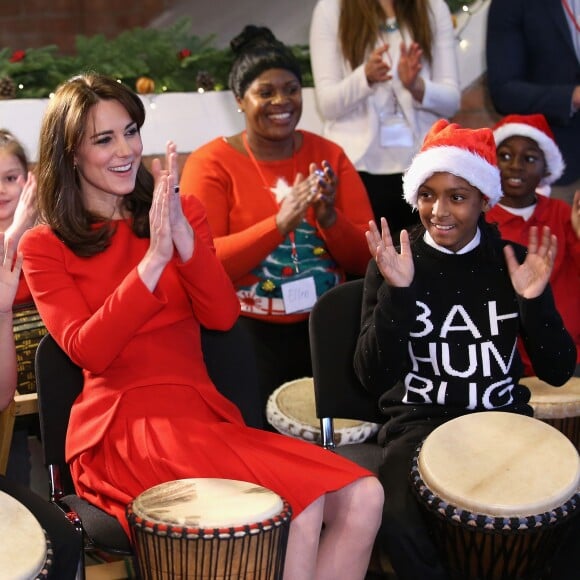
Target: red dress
148, 412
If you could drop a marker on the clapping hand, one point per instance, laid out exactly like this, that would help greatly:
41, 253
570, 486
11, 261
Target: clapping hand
409, 68
396, 268
10, 269
376, 69
26, 211
324, 183
531, 278
167, 185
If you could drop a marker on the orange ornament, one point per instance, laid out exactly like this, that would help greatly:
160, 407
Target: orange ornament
145, 85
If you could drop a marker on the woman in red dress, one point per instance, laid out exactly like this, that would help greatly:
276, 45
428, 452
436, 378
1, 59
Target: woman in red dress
124, 272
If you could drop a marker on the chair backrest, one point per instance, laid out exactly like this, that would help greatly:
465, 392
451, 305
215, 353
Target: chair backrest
58, 383
334, 328
231, 363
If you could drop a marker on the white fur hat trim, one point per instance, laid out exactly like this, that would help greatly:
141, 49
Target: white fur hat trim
458, 161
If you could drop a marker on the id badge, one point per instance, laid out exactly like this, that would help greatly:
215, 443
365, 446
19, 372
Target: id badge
396, 133
299, 295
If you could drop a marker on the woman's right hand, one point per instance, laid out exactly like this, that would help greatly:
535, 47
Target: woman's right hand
161, 245
294, 206
376, 69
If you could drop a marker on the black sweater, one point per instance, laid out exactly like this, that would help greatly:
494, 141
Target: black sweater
446, 345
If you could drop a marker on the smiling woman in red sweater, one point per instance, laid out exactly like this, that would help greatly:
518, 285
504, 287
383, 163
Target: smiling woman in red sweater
286, 207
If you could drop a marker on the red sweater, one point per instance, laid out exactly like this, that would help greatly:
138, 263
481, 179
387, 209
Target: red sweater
565, 279
242, 212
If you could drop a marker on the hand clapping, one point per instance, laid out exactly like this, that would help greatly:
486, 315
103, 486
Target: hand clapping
396, 268
530, 278
10, 269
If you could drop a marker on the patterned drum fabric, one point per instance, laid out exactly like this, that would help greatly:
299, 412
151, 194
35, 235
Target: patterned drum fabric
28, 330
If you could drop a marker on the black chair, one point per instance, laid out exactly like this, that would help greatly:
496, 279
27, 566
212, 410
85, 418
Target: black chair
334, 327
58, 383
232, 367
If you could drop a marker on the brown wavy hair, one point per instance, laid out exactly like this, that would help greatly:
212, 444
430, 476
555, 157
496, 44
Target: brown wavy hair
358, 26
59, 194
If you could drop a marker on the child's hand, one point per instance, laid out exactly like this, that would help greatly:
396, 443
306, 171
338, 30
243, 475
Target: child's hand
10, 267
397, 269
531, 278
575, 216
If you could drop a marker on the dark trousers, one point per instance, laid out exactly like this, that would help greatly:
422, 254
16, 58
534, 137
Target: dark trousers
404, 535
386, 196
282, 353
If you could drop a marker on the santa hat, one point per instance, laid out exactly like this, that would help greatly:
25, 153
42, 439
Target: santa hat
449, 148
534, 127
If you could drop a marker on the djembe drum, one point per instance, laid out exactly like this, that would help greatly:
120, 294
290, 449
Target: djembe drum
558, 406
209, 529
498, 490
25, 550
291, 410
28, 330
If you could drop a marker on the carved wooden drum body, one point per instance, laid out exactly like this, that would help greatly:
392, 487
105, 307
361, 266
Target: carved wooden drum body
207, 528
499, 490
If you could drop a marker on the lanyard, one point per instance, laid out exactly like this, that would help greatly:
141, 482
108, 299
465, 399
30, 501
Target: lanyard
291, 235
571, 14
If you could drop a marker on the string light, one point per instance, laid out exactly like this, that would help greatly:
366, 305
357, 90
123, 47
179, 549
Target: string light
469, 11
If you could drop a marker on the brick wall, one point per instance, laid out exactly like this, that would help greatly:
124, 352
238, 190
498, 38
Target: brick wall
36, 23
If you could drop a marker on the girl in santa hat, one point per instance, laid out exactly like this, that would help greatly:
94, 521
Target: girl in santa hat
440, 318
530, 161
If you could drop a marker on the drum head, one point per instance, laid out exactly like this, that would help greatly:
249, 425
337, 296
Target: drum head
500, 464
551, 402
23, 544
207, 503
291, 410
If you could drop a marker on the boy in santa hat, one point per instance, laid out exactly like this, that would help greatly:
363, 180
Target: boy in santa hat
436, 308
530, 161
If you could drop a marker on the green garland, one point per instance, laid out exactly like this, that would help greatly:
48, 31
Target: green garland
148, 60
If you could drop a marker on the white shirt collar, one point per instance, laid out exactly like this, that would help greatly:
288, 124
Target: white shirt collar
467, 248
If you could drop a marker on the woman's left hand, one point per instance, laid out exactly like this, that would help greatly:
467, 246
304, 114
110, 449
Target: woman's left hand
409, 68
324, 181
181, 230
531, 278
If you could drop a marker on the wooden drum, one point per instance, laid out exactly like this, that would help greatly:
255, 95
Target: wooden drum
499, 490
558, 406
25, 550
291, 410
209, 529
